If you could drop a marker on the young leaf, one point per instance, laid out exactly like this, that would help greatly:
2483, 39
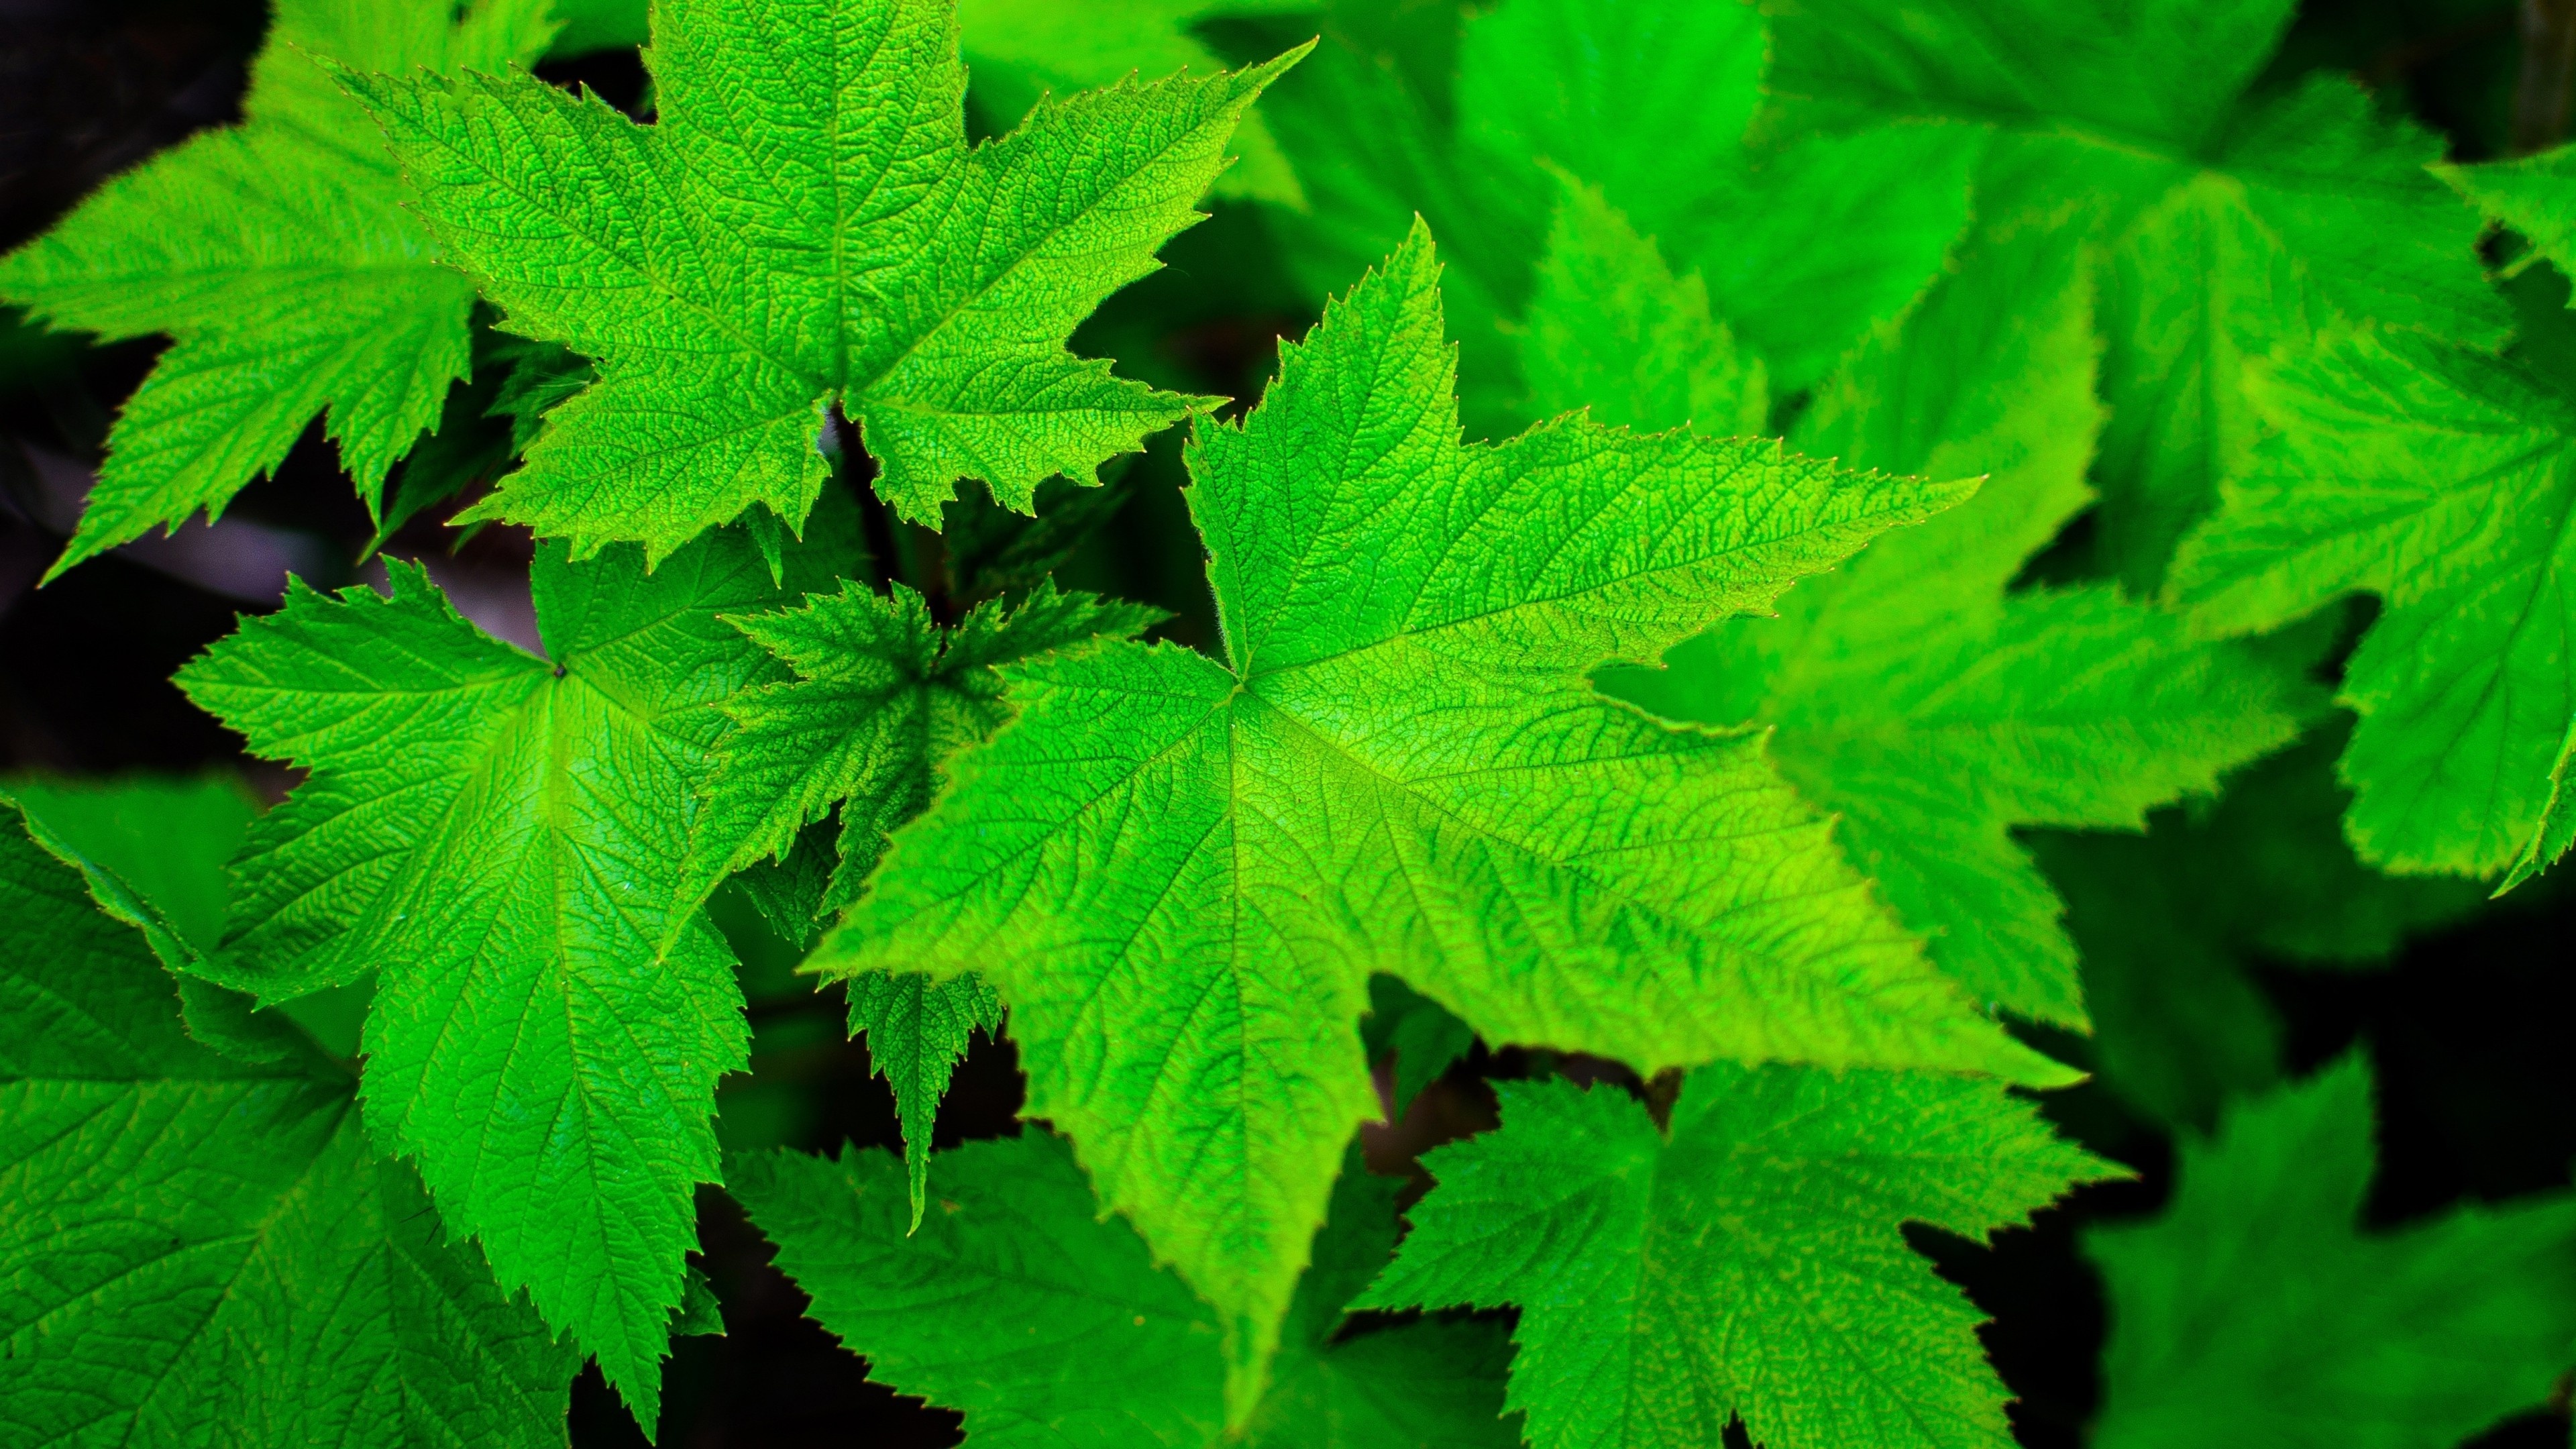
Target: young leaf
2437, 478
504, 839
805, 227
279, 258
882, 698
1018, 1304
1746, 1264
1919, 696
2253, 1310
2234, 224
1181, 872
203, 1250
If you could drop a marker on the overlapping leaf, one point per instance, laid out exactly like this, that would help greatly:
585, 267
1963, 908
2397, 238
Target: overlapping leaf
504, 839
1803, 247
1110, 1351
884, 696
2438, 478
1611, 328
804, 227
2236, 222
1745, 1264
1020, 49
917, 1030
2171, 925
1181, 872
1917, 695
2252, 1311
202, 1249
278, 257
2535, 195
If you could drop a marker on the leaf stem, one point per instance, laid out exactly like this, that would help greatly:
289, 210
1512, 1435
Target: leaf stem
2548, 70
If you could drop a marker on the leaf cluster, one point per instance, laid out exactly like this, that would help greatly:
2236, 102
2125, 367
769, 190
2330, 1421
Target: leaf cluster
1821, 586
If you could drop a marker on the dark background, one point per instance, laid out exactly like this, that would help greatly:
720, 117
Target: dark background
2468, 1026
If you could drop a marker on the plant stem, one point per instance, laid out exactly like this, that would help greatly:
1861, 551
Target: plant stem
2548, 70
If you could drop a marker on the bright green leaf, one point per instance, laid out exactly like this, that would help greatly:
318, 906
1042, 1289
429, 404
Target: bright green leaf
2235, 224
1609, 322
2437, 478
505, 838
917, 1031
803, 227
1747, 1263
152, 850
1801, 248
279, 258
1181, 872
1018, 1304
882, 697
2253, 1312
1804, 247
1020, 49
201, 1250
1933, 707
2535, 195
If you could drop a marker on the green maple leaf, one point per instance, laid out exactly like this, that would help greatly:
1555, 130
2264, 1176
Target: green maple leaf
2253, 1312
805, 227
1802, 247
2234, 222
1181, 872
882, 698
1016, 1276
1747, 1263
202, 1248
2436, 478
279, 258
1917, 694
504, 838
